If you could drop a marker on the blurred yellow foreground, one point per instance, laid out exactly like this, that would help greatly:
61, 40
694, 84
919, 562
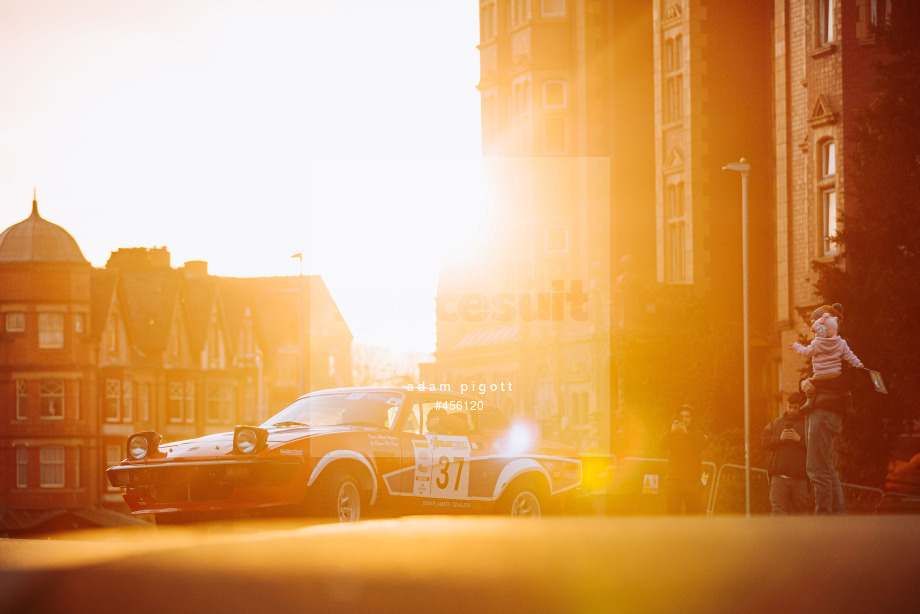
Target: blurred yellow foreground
478, 564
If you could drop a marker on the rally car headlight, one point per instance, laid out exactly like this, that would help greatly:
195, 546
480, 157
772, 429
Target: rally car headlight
246, 441
142, 445
249, 439
137, 448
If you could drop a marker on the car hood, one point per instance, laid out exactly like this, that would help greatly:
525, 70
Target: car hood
210, 446
213, 447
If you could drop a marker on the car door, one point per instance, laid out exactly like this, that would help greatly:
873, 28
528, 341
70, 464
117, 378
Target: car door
443, 445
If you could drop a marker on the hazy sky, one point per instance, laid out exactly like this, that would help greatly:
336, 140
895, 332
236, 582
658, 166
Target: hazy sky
243, 131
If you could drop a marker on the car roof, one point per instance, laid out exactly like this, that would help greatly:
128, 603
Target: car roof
401, 389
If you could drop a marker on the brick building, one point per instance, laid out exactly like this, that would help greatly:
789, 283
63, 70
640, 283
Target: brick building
666, 93
49, 449
531, 308
89, 356
825, 51
712, 66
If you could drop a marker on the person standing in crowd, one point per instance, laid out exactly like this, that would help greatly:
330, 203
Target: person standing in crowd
824, 421
683, 444
784, 440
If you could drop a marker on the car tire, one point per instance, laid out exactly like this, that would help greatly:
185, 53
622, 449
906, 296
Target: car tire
524, 498
338, 495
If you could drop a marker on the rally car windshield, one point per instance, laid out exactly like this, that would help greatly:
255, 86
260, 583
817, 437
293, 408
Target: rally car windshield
373, 409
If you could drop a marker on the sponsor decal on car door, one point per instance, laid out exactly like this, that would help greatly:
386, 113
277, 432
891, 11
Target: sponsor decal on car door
421, 485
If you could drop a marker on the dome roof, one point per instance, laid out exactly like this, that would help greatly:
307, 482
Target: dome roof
35, 239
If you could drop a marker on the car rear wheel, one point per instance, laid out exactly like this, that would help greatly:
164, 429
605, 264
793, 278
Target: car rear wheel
523, 498
339, 496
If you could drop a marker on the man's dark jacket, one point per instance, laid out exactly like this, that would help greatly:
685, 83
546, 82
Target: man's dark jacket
685, 454
786, 457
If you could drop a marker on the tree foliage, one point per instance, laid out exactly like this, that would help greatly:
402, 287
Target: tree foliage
876, 275
667, 352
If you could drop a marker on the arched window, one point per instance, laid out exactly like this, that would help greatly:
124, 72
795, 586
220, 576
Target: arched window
825, 22
827, 186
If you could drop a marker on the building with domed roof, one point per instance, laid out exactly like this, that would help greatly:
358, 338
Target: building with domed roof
89, 356
47, 368
36, 240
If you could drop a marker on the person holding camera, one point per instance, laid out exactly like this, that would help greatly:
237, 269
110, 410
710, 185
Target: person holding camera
684, 447
784, 440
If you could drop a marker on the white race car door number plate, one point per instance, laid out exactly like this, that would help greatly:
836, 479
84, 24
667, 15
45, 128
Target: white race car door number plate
442, 467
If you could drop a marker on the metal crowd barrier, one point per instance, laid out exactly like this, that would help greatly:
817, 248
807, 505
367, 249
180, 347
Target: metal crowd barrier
898, 503
859, 499
637, 485
759, 484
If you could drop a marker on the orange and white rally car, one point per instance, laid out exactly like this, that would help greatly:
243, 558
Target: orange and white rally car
340, 452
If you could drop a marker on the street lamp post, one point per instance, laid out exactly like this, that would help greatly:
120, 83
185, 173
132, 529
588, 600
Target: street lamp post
301, 361
743, 167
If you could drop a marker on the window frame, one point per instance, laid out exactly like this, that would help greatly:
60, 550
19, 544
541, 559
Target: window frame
175, 399
826, 22
181, 398
213, 399
112, 400
45, 392
874, 22
50, 330
565, 94
827, 195
673, 53
520, 13
188, 404
828, 159
488, 22
127, 400
75, 394
674, 97
675, 227
22, 466
521, 122
829, 211
46, 465
228, 402
14, 324
559, 13
22, 399
672, 64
